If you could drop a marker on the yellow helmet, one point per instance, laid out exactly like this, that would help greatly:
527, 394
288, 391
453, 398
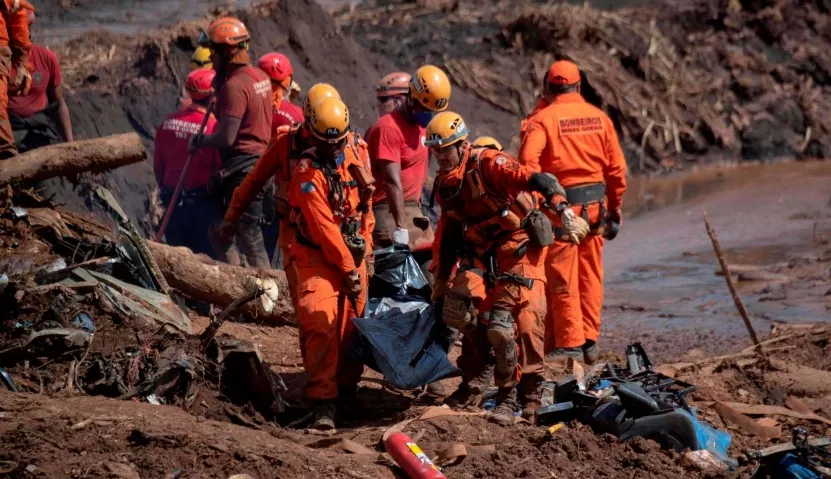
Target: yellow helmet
201, 58
329, 120
445, 129
488, 142
430, 87
317, 93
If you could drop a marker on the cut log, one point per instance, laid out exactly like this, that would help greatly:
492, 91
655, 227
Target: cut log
67, 159
200, 278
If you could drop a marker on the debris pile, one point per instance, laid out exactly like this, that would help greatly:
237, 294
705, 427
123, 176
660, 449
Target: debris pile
86, 309
685, 81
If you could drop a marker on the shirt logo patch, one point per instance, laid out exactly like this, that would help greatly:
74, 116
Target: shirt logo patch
37, 76
263, 88
307, 187
580, 126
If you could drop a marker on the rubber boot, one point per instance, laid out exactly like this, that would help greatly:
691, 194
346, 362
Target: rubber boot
324, 419
591, 352
506, 406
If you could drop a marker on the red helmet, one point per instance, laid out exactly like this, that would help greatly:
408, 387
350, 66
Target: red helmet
277, 66
198, 84
397, 83
224, 31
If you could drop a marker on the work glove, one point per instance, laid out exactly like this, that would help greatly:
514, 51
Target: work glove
22, 80
352, 286
227, 230
613, 221
576, 227
401, 236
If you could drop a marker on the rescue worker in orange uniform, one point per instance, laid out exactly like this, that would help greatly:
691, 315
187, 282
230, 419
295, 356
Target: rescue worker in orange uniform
15, 46
577, 143
330, 192
400, 160
491, 224
242, 133
278, 162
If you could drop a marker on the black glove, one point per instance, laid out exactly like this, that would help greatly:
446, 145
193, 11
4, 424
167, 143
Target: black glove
547, 185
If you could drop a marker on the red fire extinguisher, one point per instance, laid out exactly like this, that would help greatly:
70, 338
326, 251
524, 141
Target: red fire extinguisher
411, 458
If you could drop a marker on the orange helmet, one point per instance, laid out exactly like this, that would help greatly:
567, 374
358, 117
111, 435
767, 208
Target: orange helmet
224, 31
277, 66
397, 83
199, 83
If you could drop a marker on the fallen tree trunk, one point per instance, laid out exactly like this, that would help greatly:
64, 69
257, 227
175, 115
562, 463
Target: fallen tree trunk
67, 159
201, 278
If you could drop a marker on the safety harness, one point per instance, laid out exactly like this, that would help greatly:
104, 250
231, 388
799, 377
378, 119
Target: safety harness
493, 219
349, 225
294, 149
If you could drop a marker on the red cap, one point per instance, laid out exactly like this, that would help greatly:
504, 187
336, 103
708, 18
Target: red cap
563, 72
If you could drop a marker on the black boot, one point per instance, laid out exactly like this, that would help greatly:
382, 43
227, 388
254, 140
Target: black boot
506, 406
324, 419
591, 352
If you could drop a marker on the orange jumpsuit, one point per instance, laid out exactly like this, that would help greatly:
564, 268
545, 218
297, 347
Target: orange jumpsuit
324, 217
523, 126
14, 50
577, 143
509, 314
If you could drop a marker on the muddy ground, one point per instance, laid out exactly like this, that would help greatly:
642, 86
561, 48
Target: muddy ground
774, 222
68, 422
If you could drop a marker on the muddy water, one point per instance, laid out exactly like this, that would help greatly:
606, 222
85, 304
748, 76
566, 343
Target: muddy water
128, 17
661, 285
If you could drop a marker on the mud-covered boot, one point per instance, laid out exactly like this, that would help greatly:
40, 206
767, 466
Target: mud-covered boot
506, 406
530, 394
558, 358
591, 352
436, 389
324, 419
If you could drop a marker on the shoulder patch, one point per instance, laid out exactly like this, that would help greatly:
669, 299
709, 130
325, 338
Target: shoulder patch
307, 187
500, 160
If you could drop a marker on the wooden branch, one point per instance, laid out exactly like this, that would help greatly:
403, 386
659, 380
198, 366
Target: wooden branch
724, 267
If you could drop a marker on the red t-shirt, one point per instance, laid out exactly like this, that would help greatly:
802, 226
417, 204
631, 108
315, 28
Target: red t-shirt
46, 74
171, 150
393, 138
247, 95
287, 114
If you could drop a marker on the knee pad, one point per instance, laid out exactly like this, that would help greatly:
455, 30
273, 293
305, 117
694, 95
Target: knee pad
501, 336
457, 313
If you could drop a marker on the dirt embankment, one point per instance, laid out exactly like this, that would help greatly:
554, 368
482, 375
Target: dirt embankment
686, 82
116, 84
